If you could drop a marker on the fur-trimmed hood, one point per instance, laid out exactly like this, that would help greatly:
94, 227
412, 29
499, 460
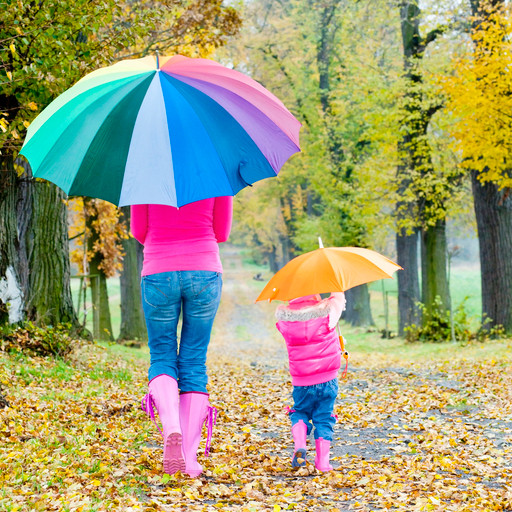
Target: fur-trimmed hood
307, 312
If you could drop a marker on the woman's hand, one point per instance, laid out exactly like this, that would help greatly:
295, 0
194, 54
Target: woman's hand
139, 221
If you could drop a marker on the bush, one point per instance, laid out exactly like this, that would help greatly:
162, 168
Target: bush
40, 341
437, 328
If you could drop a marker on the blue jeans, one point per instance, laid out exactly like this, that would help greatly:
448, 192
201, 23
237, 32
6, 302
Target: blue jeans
316, 404
196, 295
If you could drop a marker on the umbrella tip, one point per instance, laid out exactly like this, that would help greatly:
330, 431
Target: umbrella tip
157, 60
320, 243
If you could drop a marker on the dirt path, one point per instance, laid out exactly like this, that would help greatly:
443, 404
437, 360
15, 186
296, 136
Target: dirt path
434, 436
434, 421
245, 329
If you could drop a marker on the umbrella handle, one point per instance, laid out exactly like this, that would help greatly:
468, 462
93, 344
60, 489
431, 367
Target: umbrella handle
344, 352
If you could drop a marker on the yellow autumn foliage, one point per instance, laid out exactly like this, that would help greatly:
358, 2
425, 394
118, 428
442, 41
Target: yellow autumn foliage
109, 231
480, 99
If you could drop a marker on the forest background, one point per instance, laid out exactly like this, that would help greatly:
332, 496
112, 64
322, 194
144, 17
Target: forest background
406, 130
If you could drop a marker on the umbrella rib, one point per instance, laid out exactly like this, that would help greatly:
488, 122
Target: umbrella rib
69, 92
227, 111
47, 157
384, 274
166, 77
182, 79
140, 90
251, 141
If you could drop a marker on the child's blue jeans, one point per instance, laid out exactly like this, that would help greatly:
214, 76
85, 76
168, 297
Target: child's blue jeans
316, 404
196, 295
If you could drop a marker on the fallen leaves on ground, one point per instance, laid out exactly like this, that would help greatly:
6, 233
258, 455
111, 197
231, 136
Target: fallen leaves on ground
430, 437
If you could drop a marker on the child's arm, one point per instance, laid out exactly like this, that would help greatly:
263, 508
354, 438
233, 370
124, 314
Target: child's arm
338, 303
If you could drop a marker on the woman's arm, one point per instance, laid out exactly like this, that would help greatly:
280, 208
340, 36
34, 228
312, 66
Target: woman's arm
139, 221
222, 217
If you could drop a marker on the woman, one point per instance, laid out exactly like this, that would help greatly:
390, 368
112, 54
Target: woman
182, 273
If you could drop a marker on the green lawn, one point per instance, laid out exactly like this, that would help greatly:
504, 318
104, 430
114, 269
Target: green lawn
114, 295
465, 282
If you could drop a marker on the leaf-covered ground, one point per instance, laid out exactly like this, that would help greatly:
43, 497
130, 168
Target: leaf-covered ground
415, 432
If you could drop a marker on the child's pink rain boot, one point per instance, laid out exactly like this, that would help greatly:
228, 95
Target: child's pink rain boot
299, 433
195, 410
322, 455
163, 394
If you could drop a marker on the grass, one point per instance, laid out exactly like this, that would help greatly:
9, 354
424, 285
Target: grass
465, 286
75, 438
114, 294
465, 283
61, 411
365, 344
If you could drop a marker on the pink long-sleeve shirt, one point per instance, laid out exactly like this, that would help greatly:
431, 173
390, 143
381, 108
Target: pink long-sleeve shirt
183, 238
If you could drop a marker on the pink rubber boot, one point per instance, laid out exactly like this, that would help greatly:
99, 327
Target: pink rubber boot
322, 455
195, 410
299, 433
163, 394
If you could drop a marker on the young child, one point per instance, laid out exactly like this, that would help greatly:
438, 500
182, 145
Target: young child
308, 327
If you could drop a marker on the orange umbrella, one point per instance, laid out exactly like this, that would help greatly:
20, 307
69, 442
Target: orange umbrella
333, 269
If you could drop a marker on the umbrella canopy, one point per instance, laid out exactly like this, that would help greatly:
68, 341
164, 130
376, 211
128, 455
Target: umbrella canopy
161, 131
333, 269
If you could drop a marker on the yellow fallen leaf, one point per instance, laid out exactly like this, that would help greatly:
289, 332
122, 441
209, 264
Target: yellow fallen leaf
96, 483
277, 508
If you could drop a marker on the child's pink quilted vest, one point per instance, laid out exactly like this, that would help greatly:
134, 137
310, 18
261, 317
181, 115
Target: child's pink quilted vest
313, 349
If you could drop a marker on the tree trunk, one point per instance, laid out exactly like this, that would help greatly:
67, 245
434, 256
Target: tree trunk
434, 279
34, 251
272, 261
133, 325
408, 281
415, 156
49, 299
11, 292
285, 247
99, 291
140, 258
493, 209
24, 221
358, 312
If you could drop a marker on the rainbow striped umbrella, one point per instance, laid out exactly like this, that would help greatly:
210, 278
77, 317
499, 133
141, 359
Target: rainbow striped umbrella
161, 131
